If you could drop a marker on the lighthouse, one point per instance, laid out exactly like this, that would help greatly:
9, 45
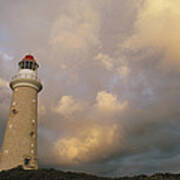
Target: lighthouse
20, 141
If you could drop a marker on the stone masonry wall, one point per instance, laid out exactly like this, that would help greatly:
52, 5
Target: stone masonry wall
20, 141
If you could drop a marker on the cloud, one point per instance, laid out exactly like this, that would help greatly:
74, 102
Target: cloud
4, 83
41, 109
105, 60
107, 102
67, 106
157, 29
6, 57
124, 70
92, 143
92, 138
4, 99
111, 64
76, 30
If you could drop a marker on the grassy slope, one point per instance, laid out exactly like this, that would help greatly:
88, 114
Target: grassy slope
48, 174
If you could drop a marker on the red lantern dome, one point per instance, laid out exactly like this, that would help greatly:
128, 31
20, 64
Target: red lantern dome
29, 58
28, 62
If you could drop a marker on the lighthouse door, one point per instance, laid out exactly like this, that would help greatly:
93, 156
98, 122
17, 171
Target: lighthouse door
27, 161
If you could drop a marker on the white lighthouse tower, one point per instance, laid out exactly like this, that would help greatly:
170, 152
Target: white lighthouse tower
20, 140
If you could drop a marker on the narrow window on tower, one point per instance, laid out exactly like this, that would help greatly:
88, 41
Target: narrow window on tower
14, 111
32, 134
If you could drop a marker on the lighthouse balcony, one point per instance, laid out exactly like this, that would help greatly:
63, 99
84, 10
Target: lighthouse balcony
30, 80
25, 76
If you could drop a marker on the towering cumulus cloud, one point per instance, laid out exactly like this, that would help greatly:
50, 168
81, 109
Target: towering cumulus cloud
157, 29
77, 30
93, 139
92, 143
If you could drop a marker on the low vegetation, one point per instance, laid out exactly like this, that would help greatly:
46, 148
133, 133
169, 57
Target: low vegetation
52, 174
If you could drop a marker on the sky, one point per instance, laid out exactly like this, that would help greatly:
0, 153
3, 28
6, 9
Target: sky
110, 71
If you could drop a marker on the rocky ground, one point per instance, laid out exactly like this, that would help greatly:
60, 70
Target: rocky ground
52, 174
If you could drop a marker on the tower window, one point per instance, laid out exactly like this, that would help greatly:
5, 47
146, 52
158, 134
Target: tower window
32, 134
14, 111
